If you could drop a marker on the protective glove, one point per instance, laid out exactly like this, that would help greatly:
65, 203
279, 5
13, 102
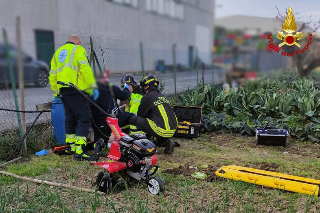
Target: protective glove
42, 153
95, 94
129, 115
126, 86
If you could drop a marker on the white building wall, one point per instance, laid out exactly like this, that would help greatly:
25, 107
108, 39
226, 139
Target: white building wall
34, 14
116, 26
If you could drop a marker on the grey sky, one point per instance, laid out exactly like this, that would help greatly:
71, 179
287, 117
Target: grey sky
267, 8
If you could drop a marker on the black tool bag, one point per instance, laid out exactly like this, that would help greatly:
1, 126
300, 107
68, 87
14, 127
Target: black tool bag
189, 121
273, 137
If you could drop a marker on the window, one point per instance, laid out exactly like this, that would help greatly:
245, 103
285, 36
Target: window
179, 11
134, 3
161, 7
168, 8
154, 5
148, 5
131, 3
172, 9
12, 52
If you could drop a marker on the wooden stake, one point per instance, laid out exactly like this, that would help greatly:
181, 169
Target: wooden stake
49, 183
12, 161
13, 85
21, 81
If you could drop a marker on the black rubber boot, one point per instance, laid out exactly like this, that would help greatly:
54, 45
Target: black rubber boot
176, 144
82, 155
71, 148
160, 142
169, 147
98, 146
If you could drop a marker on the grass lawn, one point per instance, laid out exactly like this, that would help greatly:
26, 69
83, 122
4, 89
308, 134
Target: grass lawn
183, 193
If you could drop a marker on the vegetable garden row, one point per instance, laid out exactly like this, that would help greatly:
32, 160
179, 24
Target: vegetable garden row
286, 101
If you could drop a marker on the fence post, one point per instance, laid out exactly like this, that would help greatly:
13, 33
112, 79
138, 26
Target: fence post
197, 65
21, 80
141, 58
174, 67
13, 85
203, 70
94, 66
91, 51
212, 64
98, 63
92, 59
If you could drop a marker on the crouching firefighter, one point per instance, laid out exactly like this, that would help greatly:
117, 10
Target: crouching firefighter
70, 65
155, 114
131, 105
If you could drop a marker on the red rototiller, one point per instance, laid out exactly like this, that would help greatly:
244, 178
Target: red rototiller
133, 156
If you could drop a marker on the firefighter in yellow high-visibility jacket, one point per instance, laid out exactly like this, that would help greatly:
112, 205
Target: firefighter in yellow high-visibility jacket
69, 64
133, 103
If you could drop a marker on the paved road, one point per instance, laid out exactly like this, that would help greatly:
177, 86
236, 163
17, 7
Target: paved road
34, 96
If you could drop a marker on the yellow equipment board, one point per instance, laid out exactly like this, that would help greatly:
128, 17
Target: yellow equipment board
271, 179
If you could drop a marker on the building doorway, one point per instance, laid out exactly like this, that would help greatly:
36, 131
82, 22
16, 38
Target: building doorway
44, 45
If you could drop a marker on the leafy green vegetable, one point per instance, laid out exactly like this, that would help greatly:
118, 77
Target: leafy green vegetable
284, 101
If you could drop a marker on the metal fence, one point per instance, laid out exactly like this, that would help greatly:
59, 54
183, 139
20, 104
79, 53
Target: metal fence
167, 62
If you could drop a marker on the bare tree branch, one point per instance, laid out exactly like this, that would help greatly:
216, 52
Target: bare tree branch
303, 26
306, 60
313, 65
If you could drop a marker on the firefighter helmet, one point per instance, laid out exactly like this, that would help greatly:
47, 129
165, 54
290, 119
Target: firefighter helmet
149, 80
128, 79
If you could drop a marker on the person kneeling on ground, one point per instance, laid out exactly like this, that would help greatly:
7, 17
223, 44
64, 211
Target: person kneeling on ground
131, 105
155, 115
109, 94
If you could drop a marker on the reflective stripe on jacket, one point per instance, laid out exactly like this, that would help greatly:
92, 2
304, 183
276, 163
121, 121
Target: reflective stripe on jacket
69, 64
134, 104
135, 101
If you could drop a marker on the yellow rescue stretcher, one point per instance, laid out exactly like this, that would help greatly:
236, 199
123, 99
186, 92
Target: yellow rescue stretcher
271, 179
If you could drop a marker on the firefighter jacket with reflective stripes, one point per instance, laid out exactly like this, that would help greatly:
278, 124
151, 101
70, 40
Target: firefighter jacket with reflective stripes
159, 113
69, 64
